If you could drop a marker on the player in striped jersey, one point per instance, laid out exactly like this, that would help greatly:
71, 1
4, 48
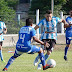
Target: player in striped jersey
49, 34
23, 45
3, 29
68, 33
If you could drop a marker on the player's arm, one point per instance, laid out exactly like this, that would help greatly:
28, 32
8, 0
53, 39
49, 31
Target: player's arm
5, 30
65, 23
36, 27
41, 42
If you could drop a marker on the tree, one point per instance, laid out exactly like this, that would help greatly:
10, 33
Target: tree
6, 13
12, 3
67, 6
44, 5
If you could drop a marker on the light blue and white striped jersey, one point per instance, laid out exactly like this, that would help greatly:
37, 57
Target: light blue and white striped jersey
69, 29
49, 26
2, 26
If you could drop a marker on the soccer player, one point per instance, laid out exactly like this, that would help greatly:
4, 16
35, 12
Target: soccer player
24, 45
3, 30
68, 33
49, 24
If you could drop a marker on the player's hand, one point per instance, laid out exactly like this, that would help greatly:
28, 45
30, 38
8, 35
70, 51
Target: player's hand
4, 32
46, 44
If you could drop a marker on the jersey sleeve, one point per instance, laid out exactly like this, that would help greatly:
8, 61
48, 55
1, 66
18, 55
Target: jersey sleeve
33, 32
58, 19
40, 23
4, 26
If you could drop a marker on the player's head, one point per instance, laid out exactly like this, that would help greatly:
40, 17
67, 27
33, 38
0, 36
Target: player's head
70, 12
48, 15
29, 22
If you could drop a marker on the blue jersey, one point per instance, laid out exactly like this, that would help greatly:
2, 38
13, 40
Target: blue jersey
49, 26
69, 29
2, 27
25, 35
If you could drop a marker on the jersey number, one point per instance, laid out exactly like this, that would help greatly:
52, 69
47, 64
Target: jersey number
22, 37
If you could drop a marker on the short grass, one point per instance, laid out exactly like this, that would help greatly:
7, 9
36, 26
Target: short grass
24, 63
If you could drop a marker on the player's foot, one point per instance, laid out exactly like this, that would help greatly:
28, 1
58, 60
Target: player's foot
39, 66
65, 57
35, 62
47, 66
5, 69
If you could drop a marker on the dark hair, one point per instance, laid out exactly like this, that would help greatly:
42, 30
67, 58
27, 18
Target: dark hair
48, 11
29, 21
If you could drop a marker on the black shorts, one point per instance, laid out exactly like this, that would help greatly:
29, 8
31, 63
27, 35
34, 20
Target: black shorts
1, 43
52, 43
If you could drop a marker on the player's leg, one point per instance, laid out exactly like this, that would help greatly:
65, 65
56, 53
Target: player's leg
37, 58
11, 60
49, 51
41, 55
66, 48
1, 52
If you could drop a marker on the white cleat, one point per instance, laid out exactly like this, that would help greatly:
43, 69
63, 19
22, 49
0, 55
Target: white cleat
35, 63
39, 66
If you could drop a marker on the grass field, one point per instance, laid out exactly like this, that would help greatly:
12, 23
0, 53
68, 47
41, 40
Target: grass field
25, 62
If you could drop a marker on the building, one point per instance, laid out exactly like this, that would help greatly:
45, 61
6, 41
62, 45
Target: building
23, 8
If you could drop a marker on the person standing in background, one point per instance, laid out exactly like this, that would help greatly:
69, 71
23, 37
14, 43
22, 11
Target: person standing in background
3, 30
68, 33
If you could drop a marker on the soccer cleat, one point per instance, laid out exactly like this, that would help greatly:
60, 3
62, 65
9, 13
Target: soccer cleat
65, 57
35, 62
39, 66
5, 69
47, 66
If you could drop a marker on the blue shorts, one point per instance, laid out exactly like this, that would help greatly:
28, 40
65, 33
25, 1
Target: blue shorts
68, 41
33, 49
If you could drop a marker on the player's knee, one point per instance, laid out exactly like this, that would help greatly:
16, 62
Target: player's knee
44, 51
48, 52
0, 47
41, 50
68, 45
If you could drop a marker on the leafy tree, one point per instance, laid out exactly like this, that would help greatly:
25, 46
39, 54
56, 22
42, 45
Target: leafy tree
67, 6
12, 3
44, 5
6, 13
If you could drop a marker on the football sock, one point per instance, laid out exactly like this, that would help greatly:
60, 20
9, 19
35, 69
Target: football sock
46, 57
10, 62
41, 55
37, 58
1, 55
66, 49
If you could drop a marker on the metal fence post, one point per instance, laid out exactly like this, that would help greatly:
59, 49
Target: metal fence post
62, 25
37, 21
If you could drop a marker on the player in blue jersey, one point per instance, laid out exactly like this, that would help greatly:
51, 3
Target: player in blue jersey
24, 45
68, 33
3, 30
49, 34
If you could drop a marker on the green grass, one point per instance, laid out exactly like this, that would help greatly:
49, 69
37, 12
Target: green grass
24, 63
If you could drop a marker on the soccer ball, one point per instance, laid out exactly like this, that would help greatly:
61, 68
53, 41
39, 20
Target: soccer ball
51, 62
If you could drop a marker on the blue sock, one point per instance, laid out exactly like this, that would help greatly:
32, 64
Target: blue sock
37, 58
41, 55
46, 57
66, 49
1, 55
10, 62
